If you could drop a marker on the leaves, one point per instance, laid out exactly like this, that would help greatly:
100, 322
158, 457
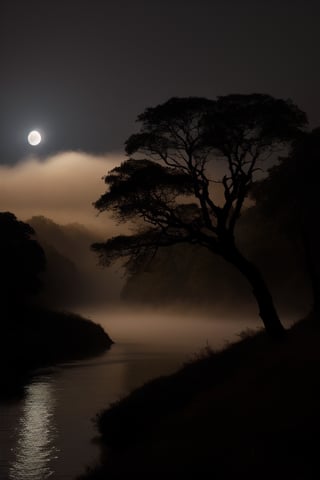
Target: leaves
142, 187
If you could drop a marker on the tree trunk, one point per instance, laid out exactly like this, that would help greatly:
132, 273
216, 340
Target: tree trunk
267, 311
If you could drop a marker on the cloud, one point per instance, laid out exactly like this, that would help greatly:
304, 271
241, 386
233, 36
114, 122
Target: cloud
61, 187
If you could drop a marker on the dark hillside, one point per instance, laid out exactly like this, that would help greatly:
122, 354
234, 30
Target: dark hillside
250, 411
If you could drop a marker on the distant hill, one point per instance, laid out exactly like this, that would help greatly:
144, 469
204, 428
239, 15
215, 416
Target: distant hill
73, 277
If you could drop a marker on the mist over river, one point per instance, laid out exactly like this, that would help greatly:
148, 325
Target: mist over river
49, 433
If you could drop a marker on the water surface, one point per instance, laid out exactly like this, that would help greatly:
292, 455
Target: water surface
49, 433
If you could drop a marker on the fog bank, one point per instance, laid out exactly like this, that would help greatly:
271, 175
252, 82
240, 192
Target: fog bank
178, 328
61, 187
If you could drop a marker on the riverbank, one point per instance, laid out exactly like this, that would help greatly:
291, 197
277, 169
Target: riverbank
251, 411
36, 337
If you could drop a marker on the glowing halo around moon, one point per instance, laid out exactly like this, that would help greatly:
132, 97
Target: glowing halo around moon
34, 138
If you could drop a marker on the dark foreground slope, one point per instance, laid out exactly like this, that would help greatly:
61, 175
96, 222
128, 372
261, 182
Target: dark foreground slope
250, 411
35, 337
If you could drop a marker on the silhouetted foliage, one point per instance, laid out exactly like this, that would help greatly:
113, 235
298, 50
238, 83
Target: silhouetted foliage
290, 197
181, 143
22, 260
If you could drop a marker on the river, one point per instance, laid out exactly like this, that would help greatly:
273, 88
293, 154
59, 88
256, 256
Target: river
49, 433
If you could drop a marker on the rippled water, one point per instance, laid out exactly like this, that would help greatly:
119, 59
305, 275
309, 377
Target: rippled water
49, 433
36, 434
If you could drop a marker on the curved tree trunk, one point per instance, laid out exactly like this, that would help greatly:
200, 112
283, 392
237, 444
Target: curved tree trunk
260, 290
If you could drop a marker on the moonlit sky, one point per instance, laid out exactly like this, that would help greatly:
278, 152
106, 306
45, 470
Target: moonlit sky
81, 70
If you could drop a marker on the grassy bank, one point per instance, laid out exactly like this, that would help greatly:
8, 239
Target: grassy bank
35, 337
250, 411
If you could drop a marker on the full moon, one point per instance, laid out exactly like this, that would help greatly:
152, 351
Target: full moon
34, 138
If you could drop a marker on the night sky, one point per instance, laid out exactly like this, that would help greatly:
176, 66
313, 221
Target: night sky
80, 71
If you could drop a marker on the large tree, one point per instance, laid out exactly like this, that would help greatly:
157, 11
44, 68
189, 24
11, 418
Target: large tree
189, 172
